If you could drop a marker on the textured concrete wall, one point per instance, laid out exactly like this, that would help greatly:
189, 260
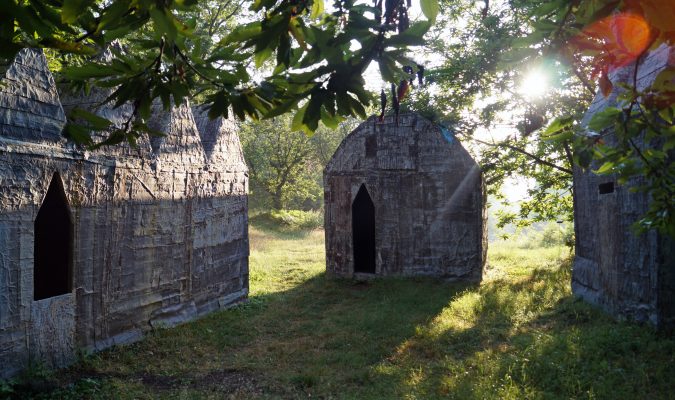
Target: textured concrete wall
29, 105
428, 197
160, 233
624, 273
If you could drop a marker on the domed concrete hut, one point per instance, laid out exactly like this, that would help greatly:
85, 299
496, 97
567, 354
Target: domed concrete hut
404, 199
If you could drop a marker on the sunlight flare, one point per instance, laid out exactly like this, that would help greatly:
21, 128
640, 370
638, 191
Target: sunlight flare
534, 85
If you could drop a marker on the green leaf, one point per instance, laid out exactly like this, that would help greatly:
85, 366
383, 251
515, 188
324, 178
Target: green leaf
331, 121
558, 129
259, 4
670, 142
664, 80
116, 137
406, 38
547, 8
605, 168
112, 14
283, 53
666, 115
604, 119
313, 112
243, 33
77, 133
87, 71
388, 69
163, 23
261, 56
560, 136
94, 121
343, 105
219, 105
357, 107
545, 26
281, 109
296, 28
357, 87
68, 46
430, 9
71, 9
317, 9
297, 124
583, 158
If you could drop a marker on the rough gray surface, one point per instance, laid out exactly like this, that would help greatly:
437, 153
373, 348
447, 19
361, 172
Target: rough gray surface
160, 235
219, 139
29, 105
626, 274
428, 198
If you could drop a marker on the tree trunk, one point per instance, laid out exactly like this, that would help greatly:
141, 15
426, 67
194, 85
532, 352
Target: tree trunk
276, 199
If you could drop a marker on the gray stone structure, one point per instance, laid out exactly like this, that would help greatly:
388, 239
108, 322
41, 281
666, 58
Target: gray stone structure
402, 198
630, 276
97, 247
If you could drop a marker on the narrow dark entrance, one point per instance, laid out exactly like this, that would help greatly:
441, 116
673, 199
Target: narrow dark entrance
363, 231
53, 244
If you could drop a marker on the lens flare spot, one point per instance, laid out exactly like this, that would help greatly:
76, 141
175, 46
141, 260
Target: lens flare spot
617, 40
534, 84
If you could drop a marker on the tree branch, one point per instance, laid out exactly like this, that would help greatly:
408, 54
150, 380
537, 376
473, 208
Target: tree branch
521, 151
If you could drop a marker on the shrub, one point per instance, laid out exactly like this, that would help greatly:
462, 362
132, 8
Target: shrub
298, 219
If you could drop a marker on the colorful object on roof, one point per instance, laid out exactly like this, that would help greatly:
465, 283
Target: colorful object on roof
447, 134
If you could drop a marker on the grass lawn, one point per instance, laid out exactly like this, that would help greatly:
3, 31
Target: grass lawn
518, 335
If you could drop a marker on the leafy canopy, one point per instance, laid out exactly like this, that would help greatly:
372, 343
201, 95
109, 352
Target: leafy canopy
318, 58
489, 46
633, 139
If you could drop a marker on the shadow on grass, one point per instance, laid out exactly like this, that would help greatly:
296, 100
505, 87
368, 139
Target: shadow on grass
533, 339
391, 339
323, 337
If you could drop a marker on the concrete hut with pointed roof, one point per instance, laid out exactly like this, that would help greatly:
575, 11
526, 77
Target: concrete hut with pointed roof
97, 247
403, 197
629, 275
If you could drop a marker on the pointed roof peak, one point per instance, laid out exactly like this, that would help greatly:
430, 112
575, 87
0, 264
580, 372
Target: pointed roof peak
30, 108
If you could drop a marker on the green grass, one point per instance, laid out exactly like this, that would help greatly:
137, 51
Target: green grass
519, 335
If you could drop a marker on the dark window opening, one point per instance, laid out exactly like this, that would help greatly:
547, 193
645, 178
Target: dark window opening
605, 188
53, 244
371, 146
363, 231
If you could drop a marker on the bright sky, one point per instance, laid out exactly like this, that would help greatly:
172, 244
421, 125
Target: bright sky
533, 87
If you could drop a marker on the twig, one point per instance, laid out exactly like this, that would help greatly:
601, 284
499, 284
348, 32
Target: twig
196, 71
521, 151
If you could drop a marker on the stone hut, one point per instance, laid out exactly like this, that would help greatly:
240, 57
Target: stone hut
631, 276
97, 247
403, 197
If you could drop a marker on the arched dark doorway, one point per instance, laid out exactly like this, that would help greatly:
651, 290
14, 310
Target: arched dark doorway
363, 231
53, 244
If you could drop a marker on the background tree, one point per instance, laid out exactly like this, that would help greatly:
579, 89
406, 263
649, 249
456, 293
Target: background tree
286, 167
